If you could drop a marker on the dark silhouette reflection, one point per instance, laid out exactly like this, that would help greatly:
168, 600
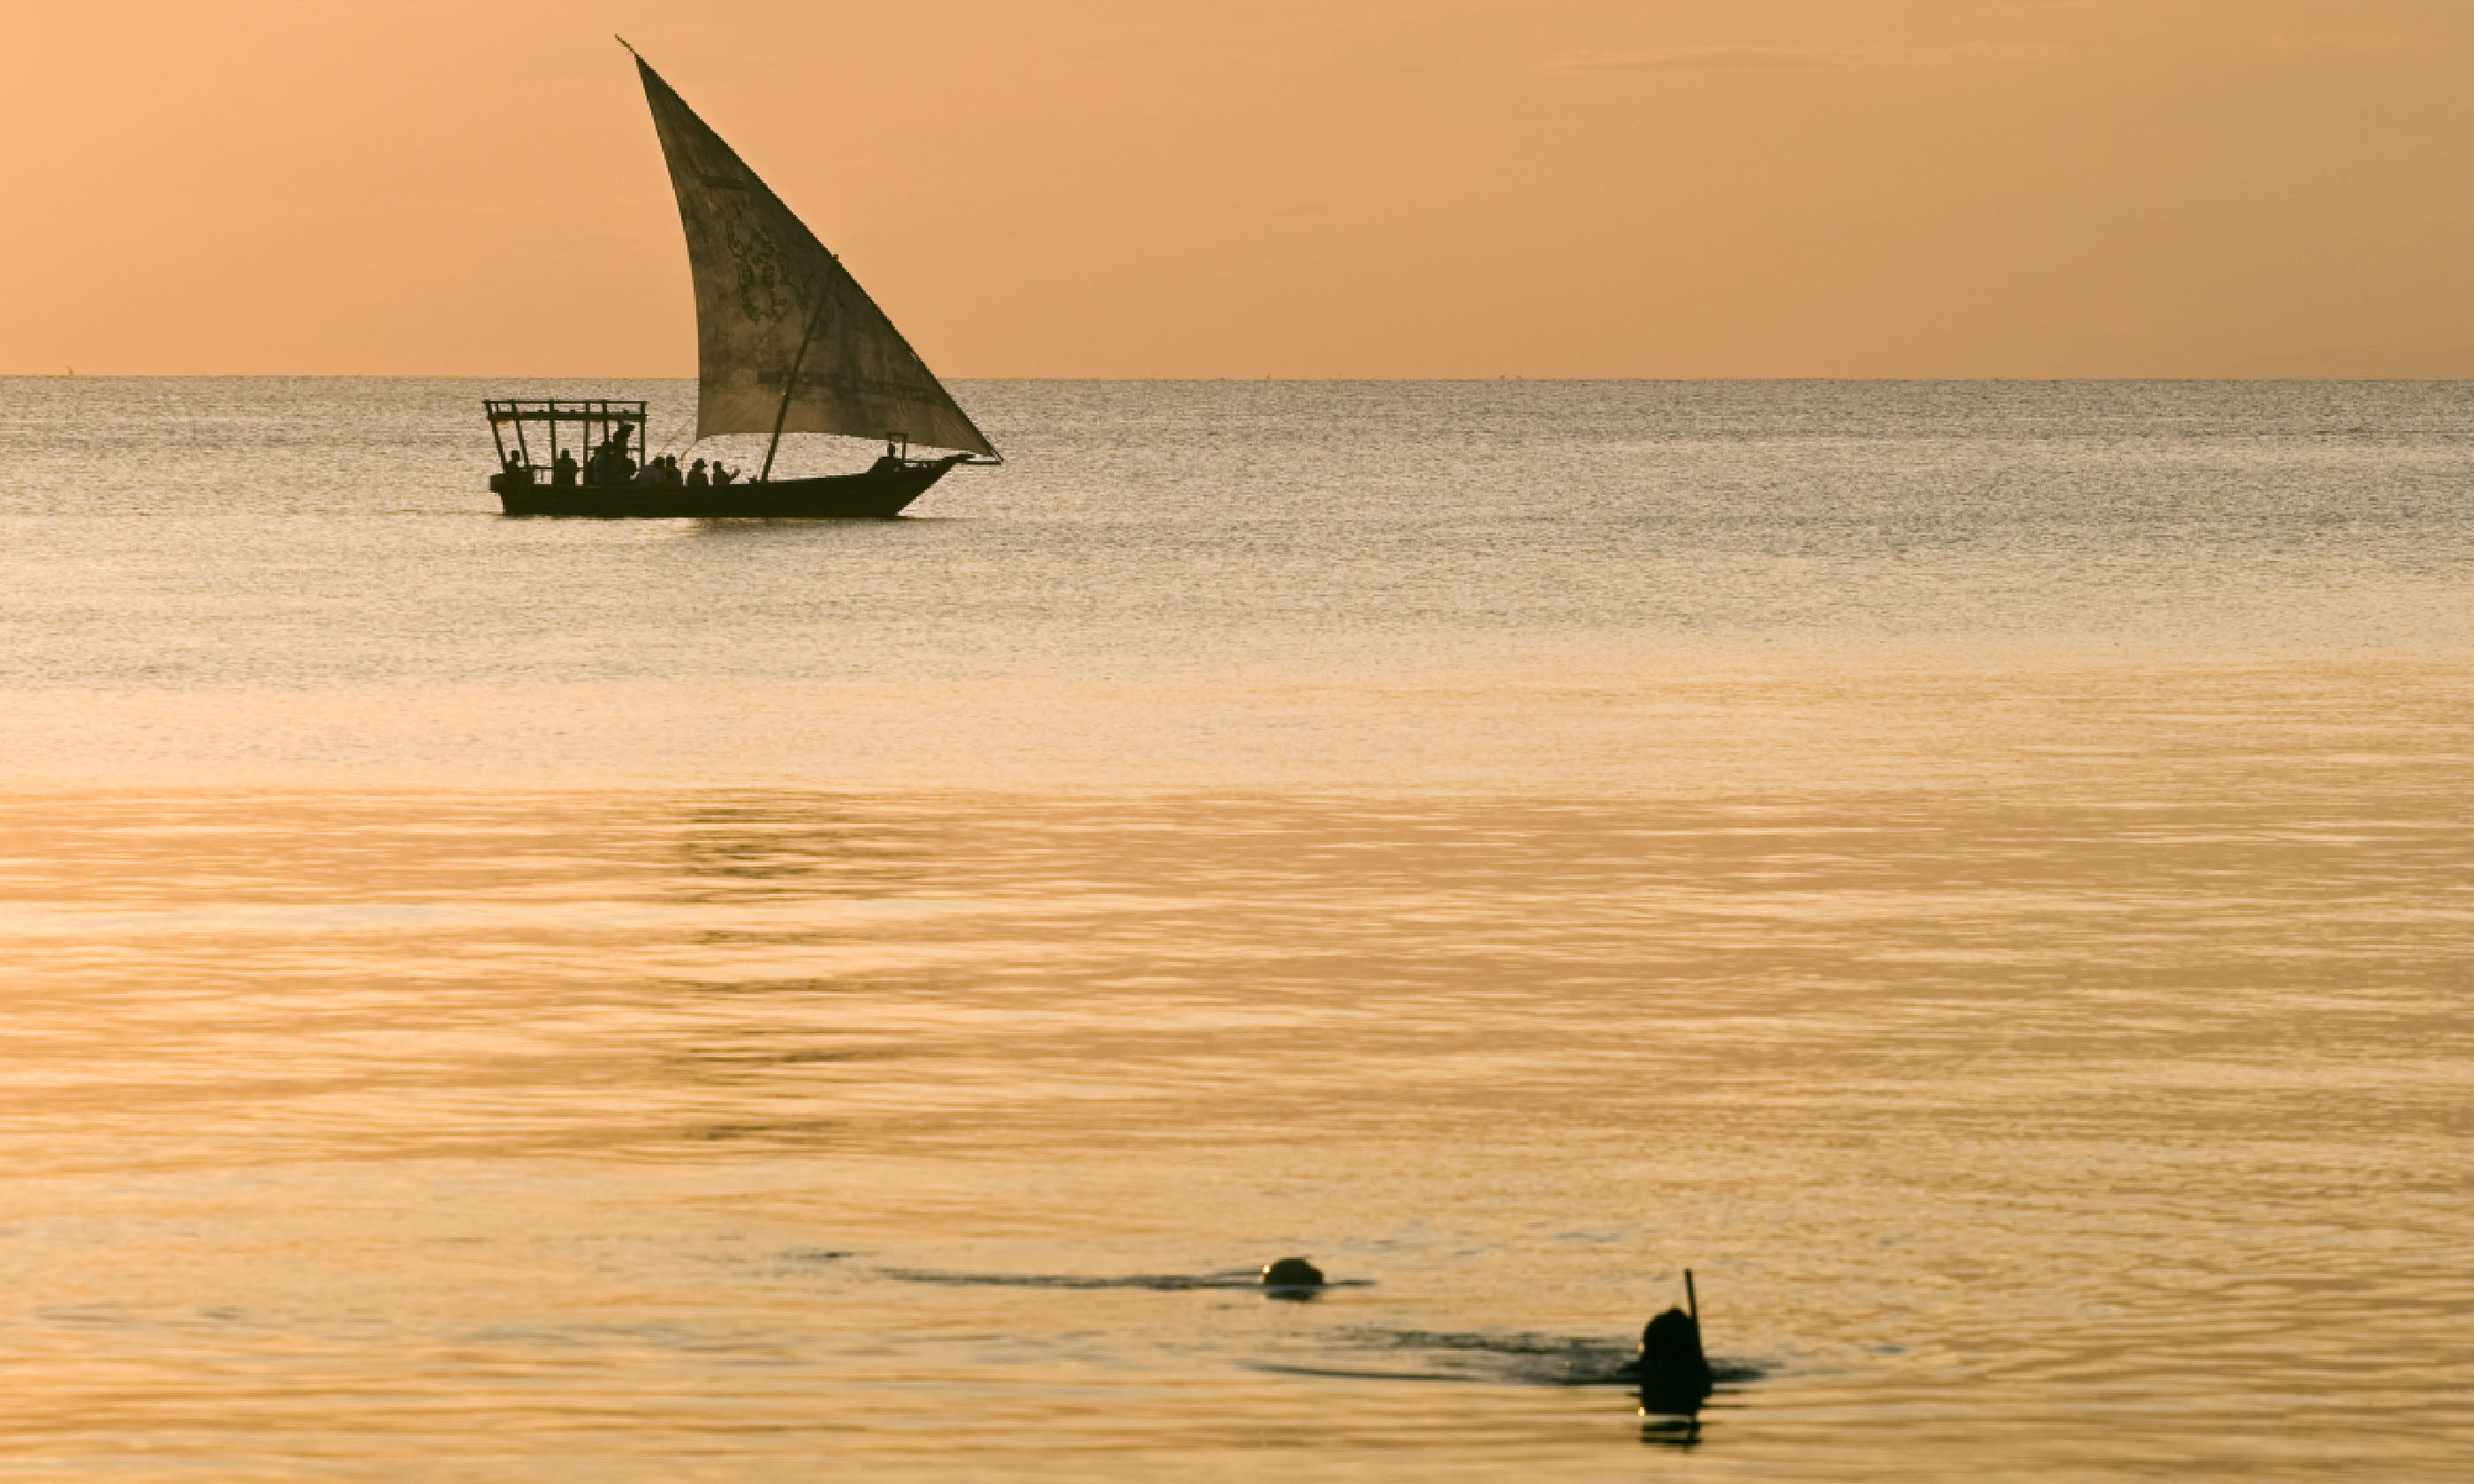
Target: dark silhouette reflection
760, 1063
1675, 1432
755, 849
784, 1133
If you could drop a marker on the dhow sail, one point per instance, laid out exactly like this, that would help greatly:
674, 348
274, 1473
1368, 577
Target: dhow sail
775, 309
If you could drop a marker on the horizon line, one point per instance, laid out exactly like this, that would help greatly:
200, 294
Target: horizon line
75, 376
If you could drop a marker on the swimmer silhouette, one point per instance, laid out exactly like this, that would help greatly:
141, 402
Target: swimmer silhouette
1671, 1372
1290, 1277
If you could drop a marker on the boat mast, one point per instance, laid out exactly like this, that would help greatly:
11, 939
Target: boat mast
790, 384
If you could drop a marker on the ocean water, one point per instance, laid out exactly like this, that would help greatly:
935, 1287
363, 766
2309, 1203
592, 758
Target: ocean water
1978, 872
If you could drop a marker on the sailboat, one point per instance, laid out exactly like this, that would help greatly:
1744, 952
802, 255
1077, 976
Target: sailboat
787, 342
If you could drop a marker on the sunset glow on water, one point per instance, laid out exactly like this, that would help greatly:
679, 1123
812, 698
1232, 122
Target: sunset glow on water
1977, 873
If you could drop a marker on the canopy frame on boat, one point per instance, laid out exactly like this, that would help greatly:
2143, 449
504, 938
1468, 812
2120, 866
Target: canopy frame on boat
599, 420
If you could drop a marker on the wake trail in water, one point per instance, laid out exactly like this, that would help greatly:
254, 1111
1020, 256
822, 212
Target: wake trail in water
1164, 1283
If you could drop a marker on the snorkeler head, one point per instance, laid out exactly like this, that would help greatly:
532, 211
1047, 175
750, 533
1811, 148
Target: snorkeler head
1672, 1373
1292, 1273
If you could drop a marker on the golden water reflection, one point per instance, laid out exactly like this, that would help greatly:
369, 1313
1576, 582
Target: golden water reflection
461, 1134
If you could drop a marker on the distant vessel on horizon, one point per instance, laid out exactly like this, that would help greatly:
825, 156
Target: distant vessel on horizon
787, 342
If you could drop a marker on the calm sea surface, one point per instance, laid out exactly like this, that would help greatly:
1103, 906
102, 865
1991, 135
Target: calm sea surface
1980, 872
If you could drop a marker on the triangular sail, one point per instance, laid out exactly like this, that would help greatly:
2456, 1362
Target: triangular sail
770, 300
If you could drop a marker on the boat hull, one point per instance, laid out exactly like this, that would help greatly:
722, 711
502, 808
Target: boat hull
879, 493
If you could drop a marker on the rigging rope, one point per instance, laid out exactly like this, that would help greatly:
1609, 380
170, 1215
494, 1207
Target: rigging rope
673, 444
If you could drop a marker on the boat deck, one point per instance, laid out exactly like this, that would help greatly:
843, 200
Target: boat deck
879, 492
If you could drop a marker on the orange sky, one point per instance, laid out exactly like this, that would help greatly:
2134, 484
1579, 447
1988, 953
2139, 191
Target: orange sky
1277, 187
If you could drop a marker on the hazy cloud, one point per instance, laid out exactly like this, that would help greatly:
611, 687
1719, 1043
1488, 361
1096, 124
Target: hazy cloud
1963, 54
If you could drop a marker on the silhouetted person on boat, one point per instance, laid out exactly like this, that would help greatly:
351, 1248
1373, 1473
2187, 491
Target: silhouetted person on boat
562, 472
723, 473
611, 466
623, 465
697, 478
